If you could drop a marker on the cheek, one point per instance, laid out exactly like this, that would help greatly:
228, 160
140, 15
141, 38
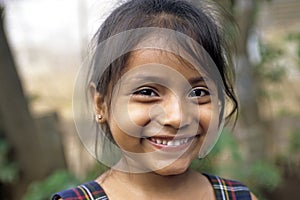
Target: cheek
127, 122
207, 116
127, 118
138, 114
127, 141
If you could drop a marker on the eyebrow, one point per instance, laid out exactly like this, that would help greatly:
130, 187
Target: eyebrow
145, 77
142, 78
198, 79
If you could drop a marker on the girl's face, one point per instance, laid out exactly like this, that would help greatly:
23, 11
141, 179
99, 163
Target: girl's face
161, 109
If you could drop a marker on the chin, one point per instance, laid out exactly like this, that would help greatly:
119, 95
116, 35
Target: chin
172, 170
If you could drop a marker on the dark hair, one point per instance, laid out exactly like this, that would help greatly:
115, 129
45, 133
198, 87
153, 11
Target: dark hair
205, 23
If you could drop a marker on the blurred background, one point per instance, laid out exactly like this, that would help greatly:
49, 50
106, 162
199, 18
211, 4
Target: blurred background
44, 42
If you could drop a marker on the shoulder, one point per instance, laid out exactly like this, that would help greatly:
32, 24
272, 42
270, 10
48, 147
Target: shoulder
89, 190
253, 197
229, 189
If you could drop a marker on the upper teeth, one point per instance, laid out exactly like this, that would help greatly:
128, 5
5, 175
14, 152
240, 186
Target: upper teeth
175, 142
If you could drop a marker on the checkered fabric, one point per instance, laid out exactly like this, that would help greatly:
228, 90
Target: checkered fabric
88, 191
226, 189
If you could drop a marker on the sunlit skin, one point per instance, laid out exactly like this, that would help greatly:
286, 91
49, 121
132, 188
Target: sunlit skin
164, 99
160, 98
171, 102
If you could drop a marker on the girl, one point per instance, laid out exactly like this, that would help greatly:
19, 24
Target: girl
159, 89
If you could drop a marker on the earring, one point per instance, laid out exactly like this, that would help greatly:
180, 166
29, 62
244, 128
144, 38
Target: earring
99, 117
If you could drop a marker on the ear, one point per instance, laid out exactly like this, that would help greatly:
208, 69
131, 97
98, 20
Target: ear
100, 105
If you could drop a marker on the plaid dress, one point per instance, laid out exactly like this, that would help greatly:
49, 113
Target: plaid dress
88, 191
224, 189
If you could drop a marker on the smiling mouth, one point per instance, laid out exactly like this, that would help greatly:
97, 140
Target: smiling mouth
170, 142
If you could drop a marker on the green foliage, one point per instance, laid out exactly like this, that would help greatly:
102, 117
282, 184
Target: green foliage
264, 175
258, 176
8, 169
269, 72
295, 141
96, 171
295, 37
42, 190
269, 68
59, 180
210, 164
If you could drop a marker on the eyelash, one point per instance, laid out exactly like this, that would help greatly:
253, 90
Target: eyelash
141, 92
202, 90
149, 92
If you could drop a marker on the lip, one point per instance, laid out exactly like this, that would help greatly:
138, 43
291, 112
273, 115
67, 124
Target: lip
171, 144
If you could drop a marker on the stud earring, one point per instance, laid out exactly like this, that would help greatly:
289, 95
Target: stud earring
99, 117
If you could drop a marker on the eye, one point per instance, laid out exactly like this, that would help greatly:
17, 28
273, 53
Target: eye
199, 92
146, 92
200, 95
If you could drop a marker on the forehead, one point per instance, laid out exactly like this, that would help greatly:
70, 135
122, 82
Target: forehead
154, 57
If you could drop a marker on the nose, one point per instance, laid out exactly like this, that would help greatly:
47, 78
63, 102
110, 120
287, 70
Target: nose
174, 113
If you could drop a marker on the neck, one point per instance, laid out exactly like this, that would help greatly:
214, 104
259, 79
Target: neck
151, 181
150, 185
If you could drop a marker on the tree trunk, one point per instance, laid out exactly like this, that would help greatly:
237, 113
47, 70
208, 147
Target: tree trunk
251, 126
20, 129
